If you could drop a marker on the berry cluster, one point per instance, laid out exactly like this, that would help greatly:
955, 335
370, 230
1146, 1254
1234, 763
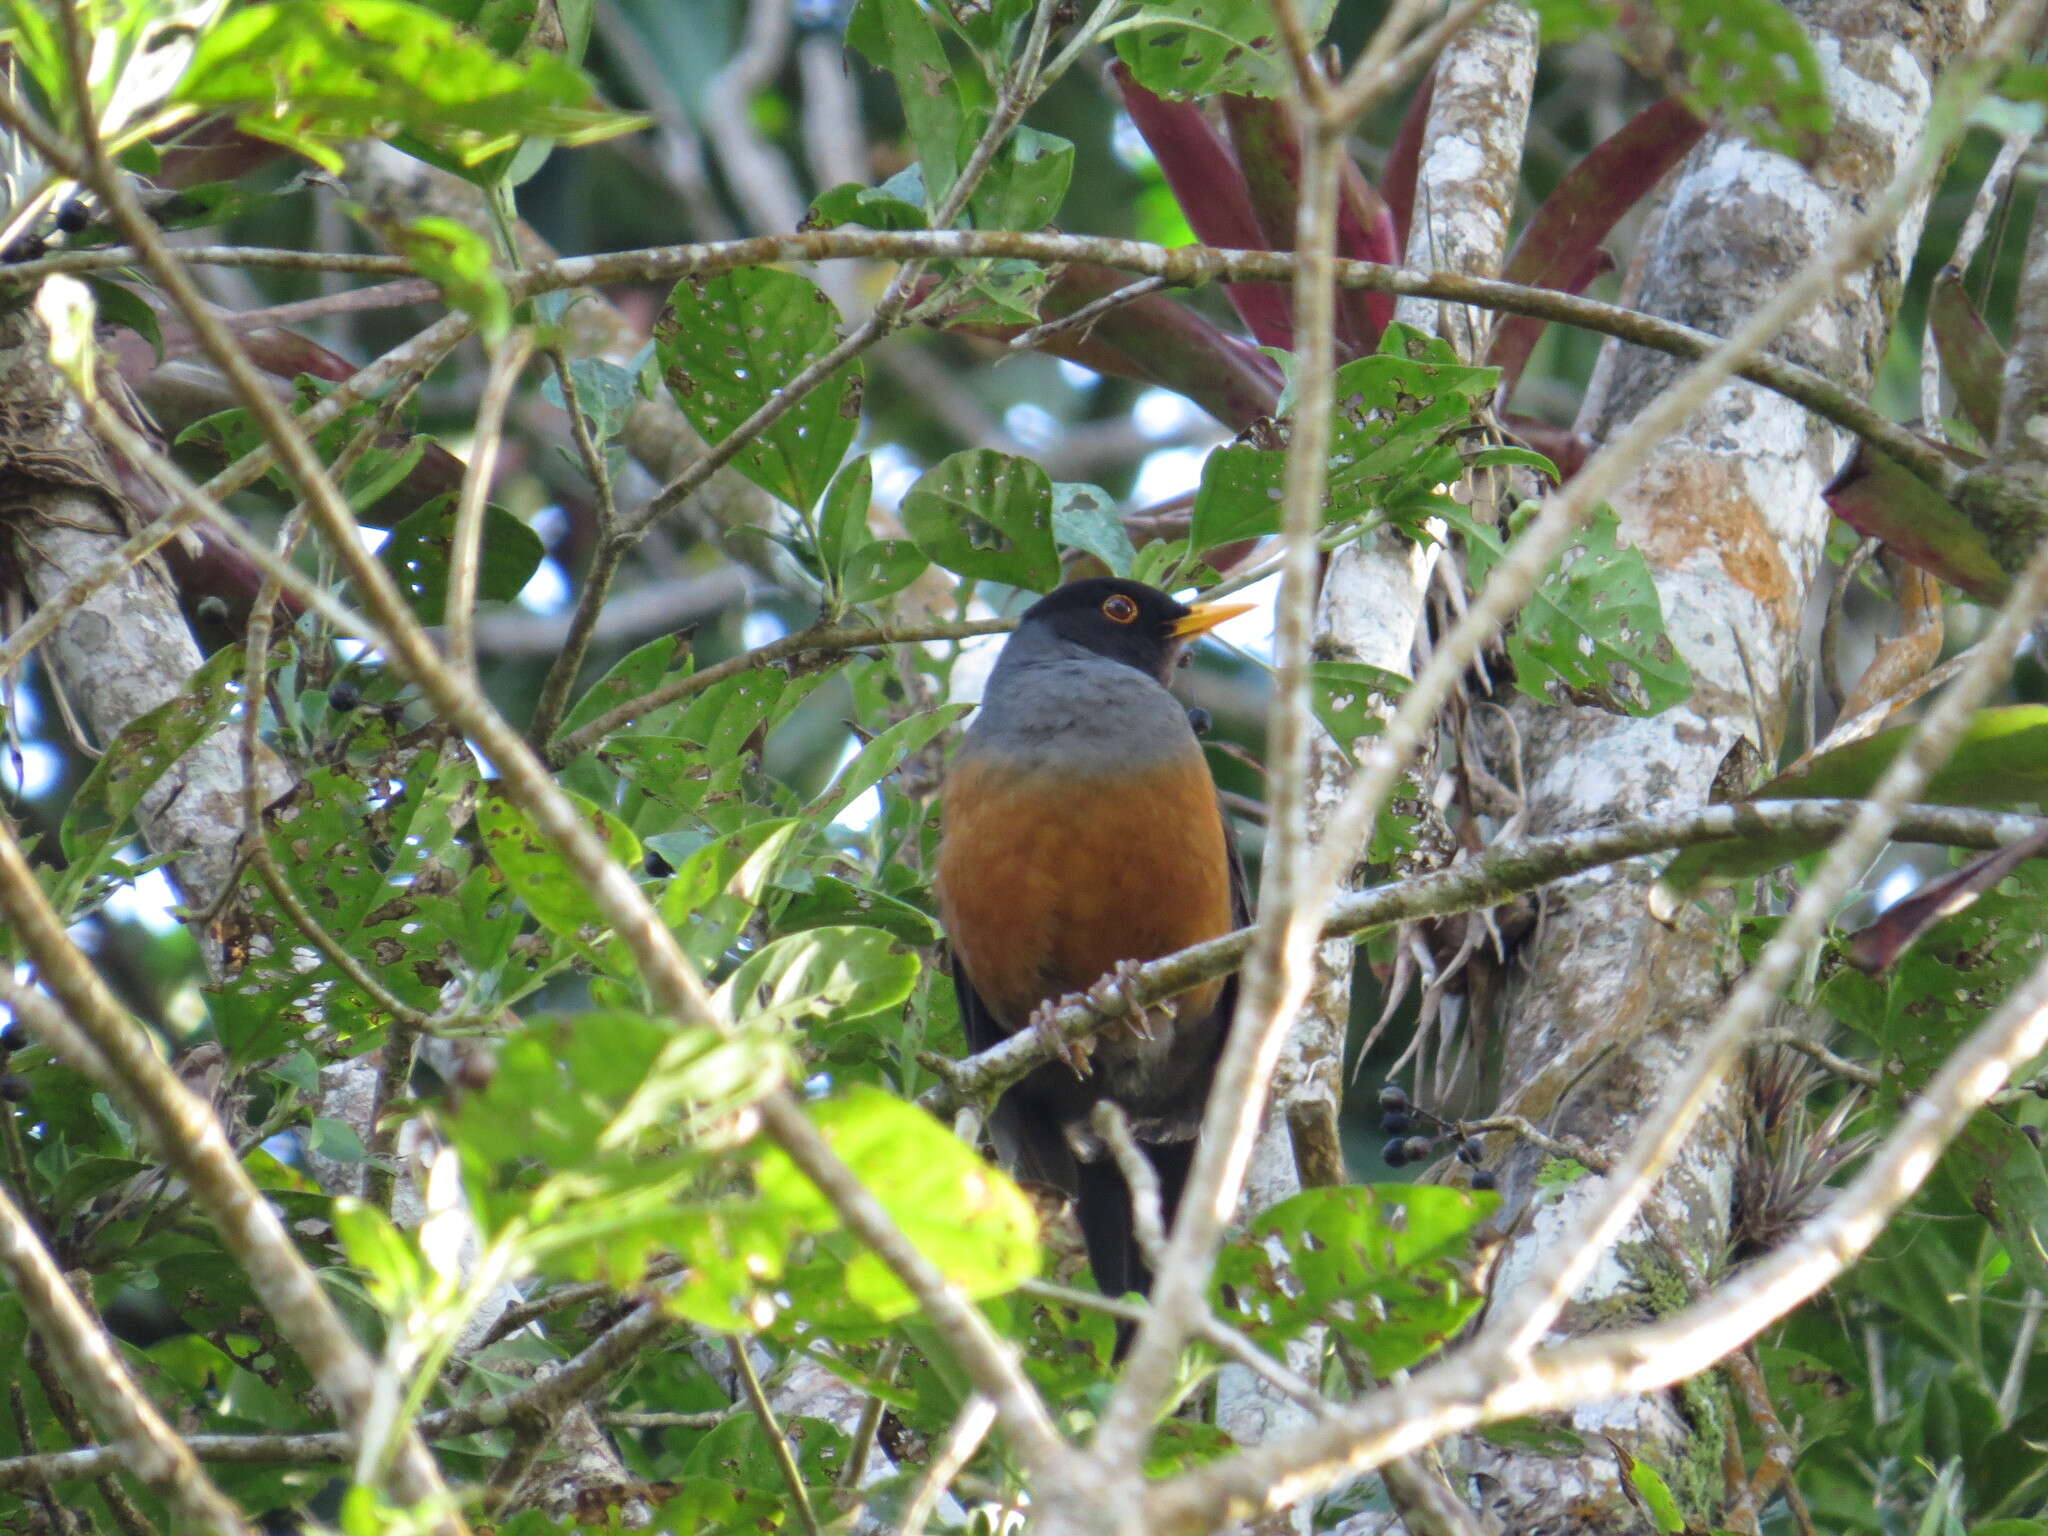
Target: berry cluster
1399, 1116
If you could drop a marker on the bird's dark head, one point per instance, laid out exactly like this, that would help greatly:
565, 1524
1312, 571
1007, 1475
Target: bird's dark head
1124, 621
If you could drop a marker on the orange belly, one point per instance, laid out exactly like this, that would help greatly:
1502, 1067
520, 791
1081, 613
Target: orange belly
1044, 889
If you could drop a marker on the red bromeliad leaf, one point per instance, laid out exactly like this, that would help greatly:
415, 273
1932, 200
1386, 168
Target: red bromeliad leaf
1156, 340
1971, 354
1211, 190
1366, 232
1877, 496
1560, 247
1267, 139
1878, 947
1405, 159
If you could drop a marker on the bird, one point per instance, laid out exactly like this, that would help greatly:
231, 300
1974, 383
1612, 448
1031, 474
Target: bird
1081, 833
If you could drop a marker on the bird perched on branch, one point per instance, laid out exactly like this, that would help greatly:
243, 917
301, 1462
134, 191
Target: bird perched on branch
1082, 833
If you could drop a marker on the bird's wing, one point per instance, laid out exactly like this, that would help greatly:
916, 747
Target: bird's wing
1027, 1139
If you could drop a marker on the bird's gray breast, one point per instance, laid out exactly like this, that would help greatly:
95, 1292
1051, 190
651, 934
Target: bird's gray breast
1086, 718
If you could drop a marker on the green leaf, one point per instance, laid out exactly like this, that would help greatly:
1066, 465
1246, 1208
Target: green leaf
1084, 517
717, 886
1655, 1494
881, 757
380, 1252
1593, 631
1025, 183
1182, 49
1393, 447
729, 342
312, 74
1383, 1265
1752, 62
541, 878
832, 901
607, 392
1348, 698
843, 518
837, 973
142, 754
877, 570
638, 672
897, 203
898, 35
961, 1213
458, 260
2000, 1172
416, 554
1567, 21
337, 1140
987, 515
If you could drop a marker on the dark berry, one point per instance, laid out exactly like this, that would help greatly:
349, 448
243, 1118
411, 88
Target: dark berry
1200, 721
1395, 1152
13, 1088
343, 697
656, 865
1473, 1151
1397, 1122
1483, 1178
1419, 1149
73, 215
1393, 1097
12, 1036
27, 248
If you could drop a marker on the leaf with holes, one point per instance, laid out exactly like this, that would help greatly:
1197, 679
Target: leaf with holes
1386, 1266
727, 345
1188, 48
1084, 517
1593, 631
417, 555
832, 972
987, 515
540, 877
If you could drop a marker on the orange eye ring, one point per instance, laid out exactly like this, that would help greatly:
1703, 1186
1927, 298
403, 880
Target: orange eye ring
1119, 609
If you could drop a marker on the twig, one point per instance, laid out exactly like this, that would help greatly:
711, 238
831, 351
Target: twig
805, 643
597, 581
92, 1366
1230, 1342
130, 1519
1841, 1066
466, 548
711, 1418
1277, 971
1180, 266
870, 1422
778, 1443
1086, 316
977, 1415
1110, 1123
1553, 1146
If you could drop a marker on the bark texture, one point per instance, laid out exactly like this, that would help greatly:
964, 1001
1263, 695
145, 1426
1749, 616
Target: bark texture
127, 648
1730, 517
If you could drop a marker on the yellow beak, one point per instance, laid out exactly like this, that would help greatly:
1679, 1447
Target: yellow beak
1204, 617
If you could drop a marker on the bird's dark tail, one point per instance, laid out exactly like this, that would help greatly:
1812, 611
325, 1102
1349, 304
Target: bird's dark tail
1111, 1232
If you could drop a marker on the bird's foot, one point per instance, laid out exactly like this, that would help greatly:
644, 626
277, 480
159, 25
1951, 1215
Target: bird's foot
1113, 993
1045, 1018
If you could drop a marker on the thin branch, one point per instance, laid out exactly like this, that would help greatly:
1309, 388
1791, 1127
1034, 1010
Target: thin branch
92, 1366
778, 1443
597, 581
1188, 266
1278, 968
804, 644
466, 548
130, 1519
977, 1415
1084, 317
